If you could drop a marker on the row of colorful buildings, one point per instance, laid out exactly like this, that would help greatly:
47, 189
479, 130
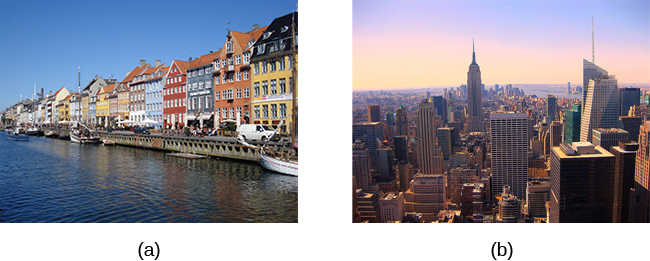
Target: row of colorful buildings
251, 77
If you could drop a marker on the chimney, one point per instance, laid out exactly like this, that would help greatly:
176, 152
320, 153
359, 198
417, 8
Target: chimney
255, 27
143, 62
157, 63
96, 76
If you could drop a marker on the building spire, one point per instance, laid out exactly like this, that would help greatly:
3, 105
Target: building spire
473, 54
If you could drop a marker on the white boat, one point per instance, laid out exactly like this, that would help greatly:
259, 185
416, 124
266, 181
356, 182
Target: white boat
84, 136
33, 131
275, 163
17, 136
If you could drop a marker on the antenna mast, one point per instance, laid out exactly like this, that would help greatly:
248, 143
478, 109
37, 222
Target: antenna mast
593, 56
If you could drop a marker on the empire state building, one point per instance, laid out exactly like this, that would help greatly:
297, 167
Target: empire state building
474, 97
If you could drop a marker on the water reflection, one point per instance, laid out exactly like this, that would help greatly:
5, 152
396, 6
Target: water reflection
49, 180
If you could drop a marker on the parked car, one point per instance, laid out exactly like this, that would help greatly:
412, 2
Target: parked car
141, 130
257, 132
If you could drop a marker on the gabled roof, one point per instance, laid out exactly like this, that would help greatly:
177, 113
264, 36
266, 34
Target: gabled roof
136, 71
280, 28
203, 60
109, 88
242, 39
57, 92
182, 65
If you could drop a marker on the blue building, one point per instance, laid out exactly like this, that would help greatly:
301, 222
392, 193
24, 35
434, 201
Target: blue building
154, 96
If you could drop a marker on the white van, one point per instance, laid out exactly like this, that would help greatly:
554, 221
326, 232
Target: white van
256, 132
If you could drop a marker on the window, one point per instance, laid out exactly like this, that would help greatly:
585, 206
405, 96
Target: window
217, 95
200, 72
223, 78
208, 70
208, 102
239, 111
265, 88
290, 61
194, 74
272, 65
246, 92
256, 89
194, 103
223, 63
227, 94
260, 49
264, 66
274, 111
231, 110
273, 87
237, 59
184, 88
265, 111
238, 93
217, 80
224, 113
257, 112
238, 76
229, 48
201, 83
256, 69
283, 86
283, 110
208, 84
247, 57
245, 75
217, 112
281, 63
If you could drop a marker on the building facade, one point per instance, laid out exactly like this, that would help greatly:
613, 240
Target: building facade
608, 137
572, 124
175, 95
601, 106
200, 91
509, 152
625, 163
430, 157
275, 73
426, 195
640, 195
154, 96
629, 97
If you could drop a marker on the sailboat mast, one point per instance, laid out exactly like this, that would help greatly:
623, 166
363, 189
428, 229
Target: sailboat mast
78, 97
294, 116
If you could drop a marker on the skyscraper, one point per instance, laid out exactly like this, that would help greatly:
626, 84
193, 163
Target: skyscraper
631, 124
429, 158
370, 133
582, 182
401, 149
374, 113
509, 207
426, 195
625, 155
508, 132
474, 96
639, 195
572, 124
441, 108
608, 137
589, 71
555, 134
401, 122
601, 106
361, 165
537, 193
629, 97
551, 104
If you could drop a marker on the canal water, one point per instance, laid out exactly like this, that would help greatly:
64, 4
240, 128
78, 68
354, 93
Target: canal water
51, 180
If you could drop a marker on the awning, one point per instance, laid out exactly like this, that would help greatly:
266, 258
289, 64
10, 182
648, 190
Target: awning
191, 117
206, 116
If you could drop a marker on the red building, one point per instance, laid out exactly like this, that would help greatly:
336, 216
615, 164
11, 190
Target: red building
174, 95
232, 86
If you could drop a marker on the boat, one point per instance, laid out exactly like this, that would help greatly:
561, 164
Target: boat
285, 159
33, 130
108, 143
51, 134
17, 136
81, 133
83, 136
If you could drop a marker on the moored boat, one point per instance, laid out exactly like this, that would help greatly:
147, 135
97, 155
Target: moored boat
286, 164
17, 136
108, 143
51, 134
33, 131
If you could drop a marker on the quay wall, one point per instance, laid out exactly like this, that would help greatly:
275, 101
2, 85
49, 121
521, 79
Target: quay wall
194, 145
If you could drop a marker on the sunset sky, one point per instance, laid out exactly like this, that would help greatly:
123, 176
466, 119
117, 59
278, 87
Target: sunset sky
429, 43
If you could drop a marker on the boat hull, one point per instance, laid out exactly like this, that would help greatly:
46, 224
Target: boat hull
17, 137
284, 167
84, 140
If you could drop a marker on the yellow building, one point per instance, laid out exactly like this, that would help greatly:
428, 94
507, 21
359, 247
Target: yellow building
64, 108
272, 82
85, 113
102, 104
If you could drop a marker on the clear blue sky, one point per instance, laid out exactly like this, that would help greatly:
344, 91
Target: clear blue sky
44, 42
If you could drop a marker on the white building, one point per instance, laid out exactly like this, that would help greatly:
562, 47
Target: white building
508, 132
601, 106
391, 206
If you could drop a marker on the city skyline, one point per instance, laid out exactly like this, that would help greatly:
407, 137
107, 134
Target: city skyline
44, 43
515, 42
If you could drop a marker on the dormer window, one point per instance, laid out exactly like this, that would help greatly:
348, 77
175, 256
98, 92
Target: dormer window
284, 29
229, 48
266, 35
260, 49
